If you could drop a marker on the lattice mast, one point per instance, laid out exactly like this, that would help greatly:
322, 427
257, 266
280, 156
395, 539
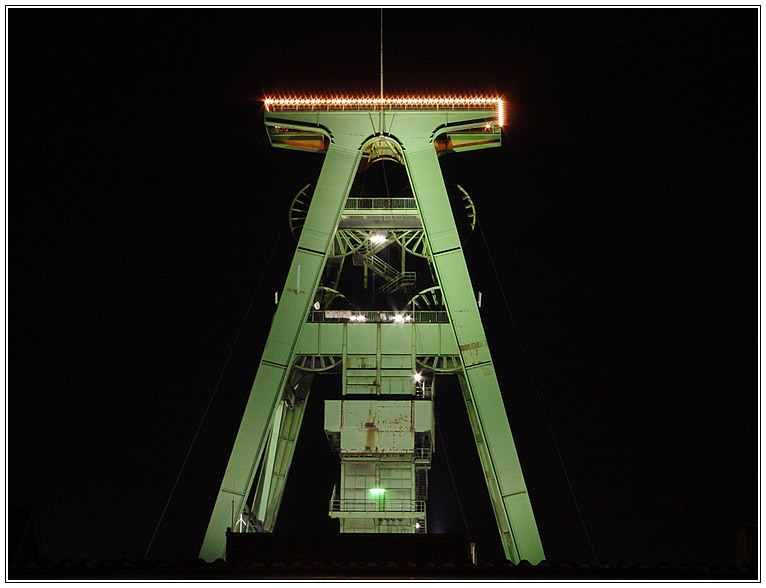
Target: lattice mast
382, 426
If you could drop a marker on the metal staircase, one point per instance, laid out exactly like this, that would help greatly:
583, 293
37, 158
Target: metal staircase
421, 484
395, 280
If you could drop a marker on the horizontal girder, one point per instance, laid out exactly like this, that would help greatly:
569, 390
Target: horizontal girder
422, 339
391, 103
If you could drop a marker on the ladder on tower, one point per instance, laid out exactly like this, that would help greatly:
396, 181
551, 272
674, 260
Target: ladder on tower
421, 484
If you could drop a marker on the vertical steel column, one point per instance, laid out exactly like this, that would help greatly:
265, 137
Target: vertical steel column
505, 481
330, 195
267, 501
261, 497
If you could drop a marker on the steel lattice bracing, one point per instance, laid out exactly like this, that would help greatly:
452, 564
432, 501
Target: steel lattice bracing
376, 351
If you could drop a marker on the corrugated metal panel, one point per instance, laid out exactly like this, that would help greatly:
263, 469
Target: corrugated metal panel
377, 426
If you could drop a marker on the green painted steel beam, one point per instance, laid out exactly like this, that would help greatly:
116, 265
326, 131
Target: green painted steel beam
406, 126
505, 481
274, 472
328, 338
297, 296
347, 133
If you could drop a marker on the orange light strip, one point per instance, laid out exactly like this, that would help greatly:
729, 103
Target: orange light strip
419, 102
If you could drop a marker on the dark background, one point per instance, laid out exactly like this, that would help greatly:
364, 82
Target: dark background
621, 212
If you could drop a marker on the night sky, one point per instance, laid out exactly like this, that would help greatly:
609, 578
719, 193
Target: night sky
144, 202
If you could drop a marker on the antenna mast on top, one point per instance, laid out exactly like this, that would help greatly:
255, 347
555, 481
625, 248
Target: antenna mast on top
381, 72
381, 53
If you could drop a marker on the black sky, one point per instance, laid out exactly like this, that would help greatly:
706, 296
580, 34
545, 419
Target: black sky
144, 201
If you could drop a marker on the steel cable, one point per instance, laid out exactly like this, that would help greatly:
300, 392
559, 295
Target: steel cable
451, 477
215, 390
537, 392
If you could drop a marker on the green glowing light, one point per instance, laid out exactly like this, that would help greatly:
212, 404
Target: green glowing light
377, 491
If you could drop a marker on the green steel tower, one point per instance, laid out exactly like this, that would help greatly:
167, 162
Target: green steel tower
382, 426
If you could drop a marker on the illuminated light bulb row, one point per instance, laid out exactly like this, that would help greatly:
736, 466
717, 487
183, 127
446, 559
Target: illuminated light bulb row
398, 318
358, 318
456, 101
402, 100
409, 101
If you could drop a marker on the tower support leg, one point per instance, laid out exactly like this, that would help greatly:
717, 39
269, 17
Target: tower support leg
267, 476
497, 451
306, 269
271, 483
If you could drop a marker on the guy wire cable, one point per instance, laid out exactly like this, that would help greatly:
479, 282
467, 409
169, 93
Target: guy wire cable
537, 392
215, 389
452, 478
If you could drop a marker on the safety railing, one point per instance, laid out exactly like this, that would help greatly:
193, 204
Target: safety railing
378, 316
377, 104
422, 453
377, 505
401, 282
380, 203
376, 264
423, 391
